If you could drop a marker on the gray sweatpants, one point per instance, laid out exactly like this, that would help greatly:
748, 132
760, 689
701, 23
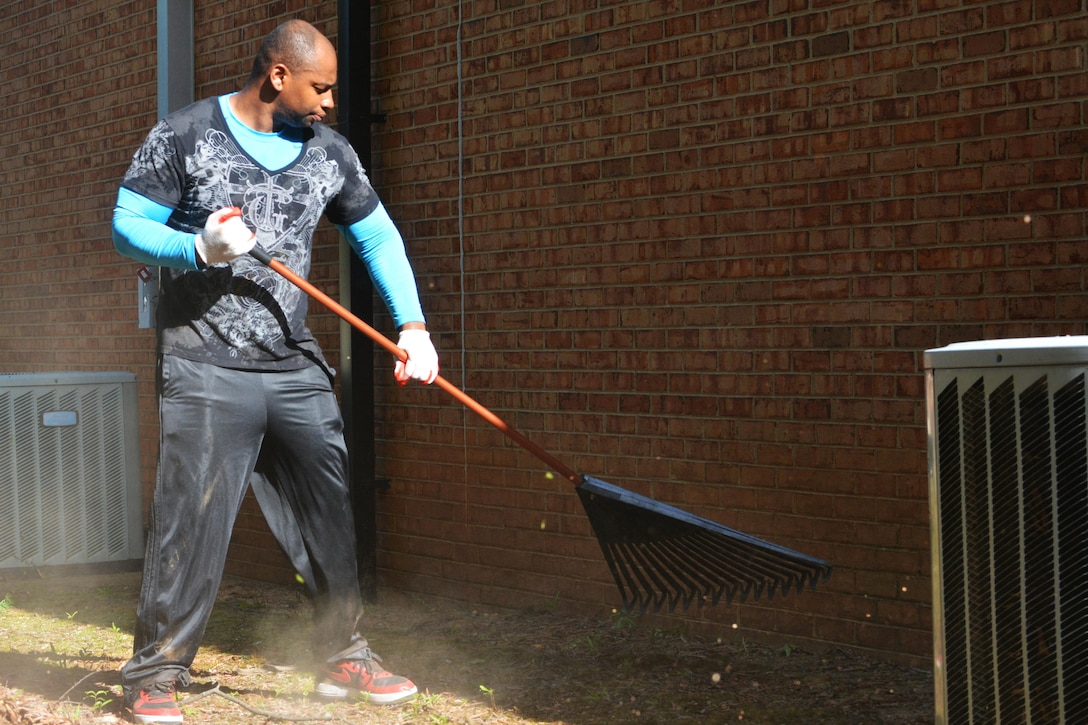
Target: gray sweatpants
222, 429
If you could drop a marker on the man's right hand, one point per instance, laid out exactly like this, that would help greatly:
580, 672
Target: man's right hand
422, 361
225, 237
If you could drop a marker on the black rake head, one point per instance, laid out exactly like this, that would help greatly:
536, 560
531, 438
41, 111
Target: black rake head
662, 556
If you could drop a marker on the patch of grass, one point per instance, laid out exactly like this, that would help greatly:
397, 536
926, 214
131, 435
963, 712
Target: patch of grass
472, 664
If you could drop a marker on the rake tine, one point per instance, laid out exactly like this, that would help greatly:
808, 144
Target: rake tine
657, 573
757, 568
637, 556
763, 562
680, 563
670, 590
624, 577
667, 576
701, 584
717, 565
719, 573
767, 574
794, 577
636, 576
728, 564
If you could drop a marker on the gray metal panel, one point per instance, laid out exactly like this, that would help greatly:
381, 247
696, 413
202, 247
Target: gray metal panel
33, 380
176, 90
175, 42
1012, 352
70, 488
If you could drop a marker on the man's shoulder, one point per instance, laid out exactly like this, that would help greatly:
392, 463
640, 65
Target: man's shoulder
199, 113
328, 135
335, 143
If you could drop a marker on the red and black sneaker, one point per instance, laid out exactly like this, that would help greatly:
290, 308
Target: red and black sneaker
156, 703
365, 677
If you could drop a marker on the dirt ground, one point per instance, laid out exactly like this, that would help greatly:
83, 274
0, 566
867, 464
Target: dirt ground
63, 640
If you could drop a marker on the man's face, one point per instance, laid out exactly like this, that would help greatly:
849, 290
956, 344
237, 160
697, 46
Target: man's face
306, 95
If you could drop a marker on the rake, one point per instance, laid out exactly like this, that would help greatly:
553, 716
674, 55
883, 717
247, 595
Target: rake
660, 556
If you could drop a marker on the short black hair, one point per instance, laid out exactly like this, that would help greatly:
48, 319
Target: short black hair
293, 43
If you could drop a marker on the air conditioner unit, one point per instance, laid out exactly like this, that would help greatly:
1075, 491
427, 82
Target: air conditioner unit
70, 476
1008, 486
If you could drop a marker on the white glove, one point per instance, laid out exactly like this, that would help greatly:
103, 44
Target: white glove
225, 236
422, 362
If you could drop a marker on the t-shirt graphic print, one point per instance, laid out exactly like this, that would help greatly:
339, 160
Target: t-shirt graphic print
241, 314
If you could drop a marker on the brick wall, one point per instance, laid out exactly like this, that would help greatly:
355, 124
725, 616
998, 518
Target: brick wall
701, 249
77, 95
694, 249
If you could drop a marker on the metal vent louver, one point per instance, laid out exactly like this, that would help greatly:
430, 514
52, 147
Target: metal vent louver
1008, 450
69, 474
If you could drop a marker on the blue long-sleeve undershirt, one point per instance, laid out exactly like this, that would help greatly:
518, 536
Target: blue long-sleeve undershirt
378, 243
140, 232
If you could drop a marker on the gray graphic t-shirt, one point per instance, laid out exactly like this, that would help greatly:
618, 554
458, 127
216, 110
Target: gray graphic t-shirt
242, 314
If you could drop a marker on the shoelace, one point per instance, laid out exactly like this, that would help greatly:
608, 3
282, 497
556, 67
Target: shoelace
365, 655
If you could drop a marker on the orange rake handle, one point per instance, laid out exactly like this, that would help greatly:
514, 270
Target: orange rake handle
464, 398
